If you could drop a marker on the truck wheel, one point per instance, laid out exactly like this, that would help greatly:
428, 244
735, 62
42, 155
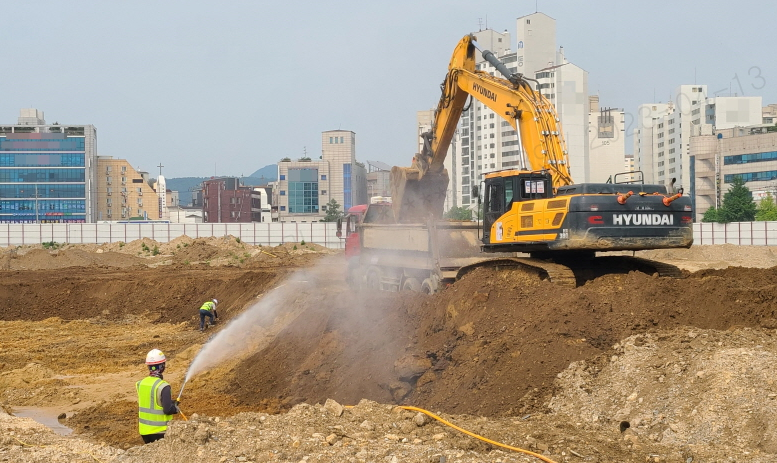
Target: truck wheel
411, 284
372, 278
428, 286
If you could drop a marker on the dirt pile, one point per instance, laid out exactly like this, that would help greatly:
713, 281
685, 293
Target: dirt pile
182, 251
490, 345
684, 387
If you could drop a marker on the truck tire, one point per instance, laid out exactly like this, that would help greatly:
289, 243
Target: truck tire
372, 278
428, 286
411, 284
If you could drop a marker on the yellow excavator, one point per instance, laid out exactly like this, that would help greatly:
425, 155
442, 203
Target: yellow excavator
536, 210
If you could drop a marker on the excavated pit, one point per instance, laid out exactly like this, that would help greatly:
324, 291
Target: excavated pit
492, 345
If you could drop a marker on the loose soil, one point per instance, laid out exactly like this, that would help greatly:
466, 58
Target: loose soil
624, 368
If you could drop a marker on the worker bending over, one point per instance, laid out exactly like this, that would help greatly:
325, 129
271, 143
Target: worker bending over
208, 309
155, 403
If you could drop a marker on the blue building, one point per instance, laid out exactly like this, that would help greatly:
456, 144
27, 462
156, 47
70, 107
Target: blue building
46, 171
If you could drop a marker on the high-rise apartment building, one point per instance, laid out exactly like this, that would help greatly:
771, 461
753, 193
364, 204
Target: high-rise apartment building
124, 192
566, 86
663, 132
47, 171
607, 146
485, 142
305, 186
536, 43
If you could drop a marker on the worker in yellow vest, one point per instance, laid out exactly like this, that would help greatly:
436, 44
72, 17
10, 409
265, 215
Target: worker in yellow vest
155, 403
208, 309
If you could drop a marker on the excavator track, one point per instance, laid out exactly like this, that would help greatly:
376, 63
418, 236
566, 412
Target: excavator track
571, 274
558, 274
645, 265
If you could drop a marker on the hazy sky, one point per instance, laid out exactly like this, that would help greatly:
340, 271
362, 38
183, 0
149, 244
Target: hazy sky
228, 87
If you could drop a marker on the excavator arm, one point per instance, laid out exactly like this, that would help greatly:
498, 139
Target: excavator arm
419, 191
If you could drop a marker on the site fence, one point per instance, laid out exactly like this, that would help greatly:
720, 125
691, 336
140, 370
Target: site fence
275, 233
266, 234
740, 233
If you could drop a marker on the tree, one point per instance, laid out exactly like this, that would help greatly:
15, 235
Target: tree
767, 210
738, 205
332, 211
710, 215
459, 213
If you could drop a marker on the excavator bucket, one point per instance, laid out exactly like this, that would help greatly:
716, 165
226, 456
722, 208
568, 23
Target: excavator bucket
415, 197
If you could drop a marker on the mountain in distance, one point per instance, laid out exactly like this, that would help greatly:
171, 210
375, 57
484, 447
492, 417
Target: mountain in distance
184, 185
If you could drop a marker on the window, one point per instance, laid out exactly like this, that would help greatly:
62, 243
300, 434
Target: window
283, 192
341, 139
283, 208
323, 176
323, 192
283, 176
330, 140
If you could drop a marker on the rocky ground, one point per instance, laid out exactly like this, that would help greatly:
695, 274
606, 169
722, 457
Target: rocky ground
629, 368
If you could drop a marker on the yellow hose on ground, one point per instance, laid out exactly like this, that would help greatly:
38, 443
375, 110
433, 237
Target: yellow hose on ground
472, 434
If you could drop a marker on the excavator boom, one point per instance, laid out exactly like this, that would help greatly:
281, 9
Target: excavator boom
419, 191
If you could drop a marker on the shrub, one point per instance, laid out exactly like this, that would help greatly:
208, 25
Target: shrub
302, 242
295, 247
155, 251
237, 239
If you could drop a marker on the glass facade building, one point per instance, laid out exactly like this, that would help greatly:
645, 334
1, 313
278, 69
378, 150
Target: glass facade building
303, 191
43, 176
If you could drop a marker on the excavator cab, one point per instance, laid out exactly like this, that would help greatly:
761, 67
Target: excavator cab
502, 190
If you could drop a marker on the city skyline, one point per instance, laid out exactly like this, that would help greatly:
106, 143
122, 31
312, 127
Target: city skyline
208, 91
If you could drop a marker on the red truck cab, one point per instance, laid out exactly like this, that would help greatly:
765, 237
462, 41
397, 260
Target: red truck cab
352, 219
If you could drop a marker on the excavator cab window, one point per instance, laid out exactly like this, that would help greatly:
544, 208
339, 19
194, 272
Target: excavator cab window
534, 186
493, 205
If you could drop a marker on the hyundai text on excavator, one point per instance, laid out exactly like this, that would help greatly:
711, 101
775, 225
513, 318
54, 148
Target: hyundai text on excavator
535, 210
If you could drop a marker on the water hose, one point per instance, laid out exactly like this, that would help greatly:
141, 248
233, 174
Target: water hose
472, 434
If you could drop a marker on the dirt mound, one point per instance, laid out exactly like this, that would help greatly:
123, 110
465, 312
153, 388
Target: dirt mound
157, 294
681, 387
490, 345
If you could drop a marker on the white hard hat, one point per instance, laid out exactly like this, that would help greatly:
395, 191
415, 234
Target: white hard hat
155, 357
215, 301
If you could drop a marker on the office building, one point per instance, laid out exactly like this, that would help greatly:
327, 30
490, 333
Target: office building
124, 193
378, 180
306, 186
226, 200
47, 171
719, 156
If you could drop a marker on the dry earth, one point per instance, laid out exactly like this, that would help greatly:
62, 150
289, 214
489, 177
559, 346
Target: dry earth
629, 368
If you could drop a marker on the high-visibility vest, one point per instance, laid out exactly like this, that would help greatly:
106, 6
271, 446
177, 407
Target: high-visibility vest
151, 417
207, 306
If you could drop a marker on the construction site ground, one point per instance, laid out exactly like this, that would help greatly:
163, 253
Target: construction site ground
625, 368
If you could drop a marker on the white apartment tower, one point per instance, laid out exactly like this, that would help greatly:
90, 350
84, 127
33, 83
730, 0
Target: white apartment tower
536, 43
607, 147
485, 142
662, 136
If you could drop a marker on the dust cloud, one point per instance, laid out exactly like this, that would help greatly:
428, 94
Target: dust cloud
257, 325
